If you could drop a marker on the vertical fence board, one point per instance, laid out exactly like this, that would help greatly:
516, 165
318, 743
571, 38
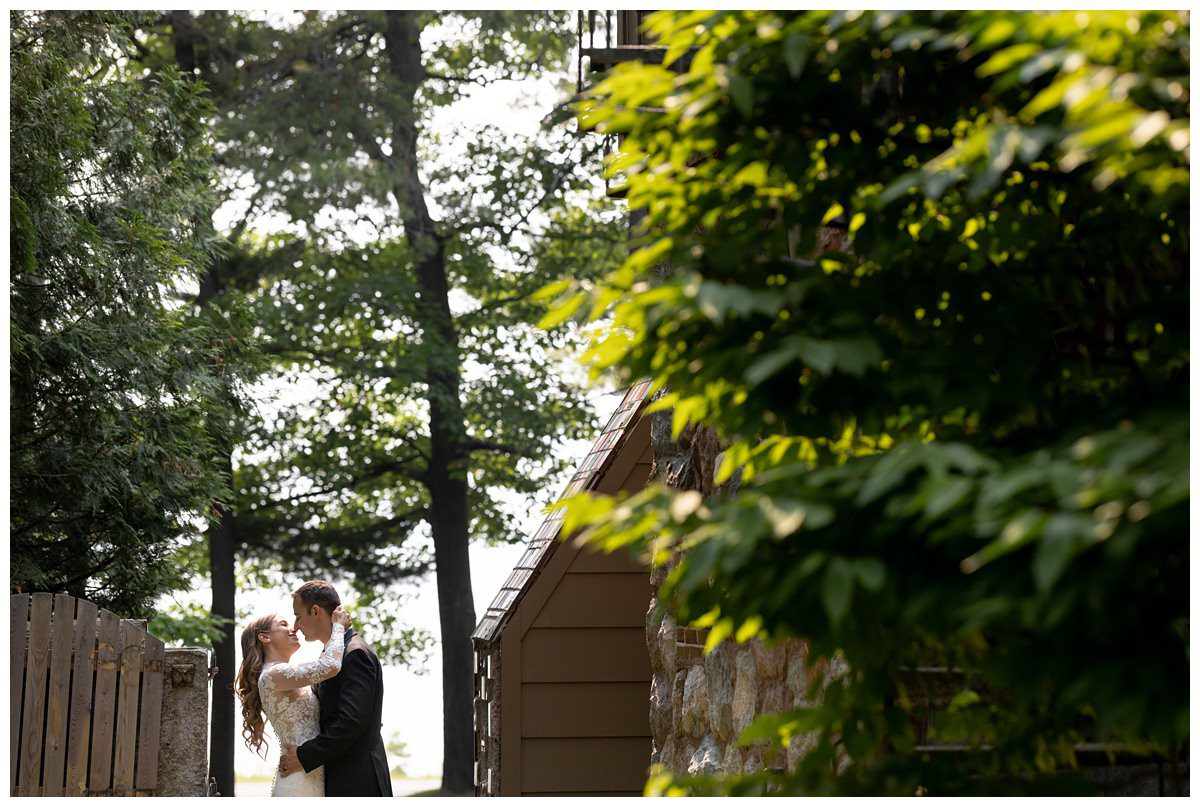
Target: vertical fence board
80, 729
58, 705
127, 707
148, 733
33, 729
18, 625
105, 701
68, 737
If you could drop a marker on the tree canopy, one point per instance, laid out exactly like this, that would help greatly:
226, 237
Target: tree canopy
390, 262
928, 282
116, 388
319, 211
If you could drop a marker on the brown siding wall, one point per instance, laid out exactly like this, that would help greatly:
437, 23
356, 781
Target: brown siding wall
608, 709
557, 655
585, 684
594, 764
597, 600
584, 668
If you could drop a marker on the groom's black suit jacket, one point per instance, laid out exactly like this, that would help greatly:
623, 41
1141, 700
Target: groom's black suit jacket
349, 745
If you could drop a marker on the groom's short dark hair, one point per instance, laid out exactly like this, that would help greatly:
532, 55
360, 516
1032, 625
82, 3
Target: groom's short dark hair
319, 592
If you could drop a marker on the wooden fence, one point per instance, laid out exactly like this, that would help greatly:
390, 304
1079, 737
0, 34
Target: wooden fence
85, 706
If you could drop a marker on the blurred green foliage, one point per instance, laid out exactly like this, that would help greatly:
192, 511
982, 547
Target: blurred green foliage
928, 281
184, 624
397, 751
335, 477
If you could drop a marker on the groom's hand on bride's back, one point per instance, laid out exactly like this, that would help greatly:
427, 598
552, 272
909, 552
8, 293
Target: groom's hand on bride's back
340, 615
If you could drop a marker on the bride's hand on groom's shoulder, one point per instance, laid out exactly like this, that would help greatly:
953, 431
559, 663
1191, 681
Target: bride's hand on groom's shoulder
340, 616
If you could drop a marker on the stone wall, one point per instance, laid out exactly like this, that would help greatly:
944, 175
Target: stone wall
700, 704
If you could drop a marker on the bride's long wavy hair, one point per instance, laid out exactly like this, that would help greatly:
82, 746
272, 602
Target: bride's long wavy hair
253, 656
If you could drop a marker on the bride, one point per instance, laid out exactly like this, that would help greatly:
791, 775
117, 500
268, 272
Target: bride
269, 683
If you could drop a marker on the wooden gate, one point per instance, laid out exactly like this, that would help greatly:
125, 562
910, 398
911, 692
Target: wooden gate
86, 692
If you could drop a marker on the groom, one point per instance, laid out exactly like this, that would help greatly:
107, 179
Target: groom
349, 745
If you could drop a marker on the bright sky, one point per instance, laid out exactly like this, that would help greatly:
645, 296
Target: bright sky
413, 702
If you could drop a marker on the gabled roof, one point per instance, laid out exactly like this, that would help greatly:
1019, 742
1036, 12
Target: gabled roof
587, 475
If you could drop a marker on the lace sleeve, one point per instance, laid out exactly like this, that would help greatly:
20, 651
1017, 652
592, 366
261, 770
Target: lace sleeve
294, 676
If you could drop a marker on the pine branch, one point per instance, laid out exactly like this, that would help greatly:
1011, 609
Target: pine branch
348, 536
478, 81
397, 467
343, 359
500, 448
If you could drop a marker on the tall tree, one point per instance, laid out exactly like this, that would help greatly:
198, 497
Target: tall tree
961, 416
118, 392
210, 298
397, 289
174, 41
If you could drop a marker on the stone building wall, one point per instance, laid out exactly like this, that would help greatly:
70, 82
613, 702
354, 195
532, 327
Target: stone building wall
699, 704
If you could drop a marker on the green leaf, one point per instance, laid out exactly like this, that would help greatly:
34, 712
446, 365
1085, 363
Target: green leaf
562, 311
837, 589
753, 174
948, 494
832, 213
782, 726
763, 368
871, 573
1064, 535
718, 633
796, 49
785, 517
741, 90
963, 699
996, 32
1018, 532
1008, 57
551, 290
819, 354
889, 471
748, 630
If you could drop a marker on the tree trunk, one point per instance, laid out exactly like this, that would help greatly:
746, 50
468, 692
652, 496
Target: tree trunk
223, 734
222, 536
222, 564
447, 478
456, 610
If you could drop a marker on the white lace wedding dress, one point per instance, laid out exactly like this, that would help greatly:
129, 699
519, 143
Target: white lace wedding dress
291, 706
